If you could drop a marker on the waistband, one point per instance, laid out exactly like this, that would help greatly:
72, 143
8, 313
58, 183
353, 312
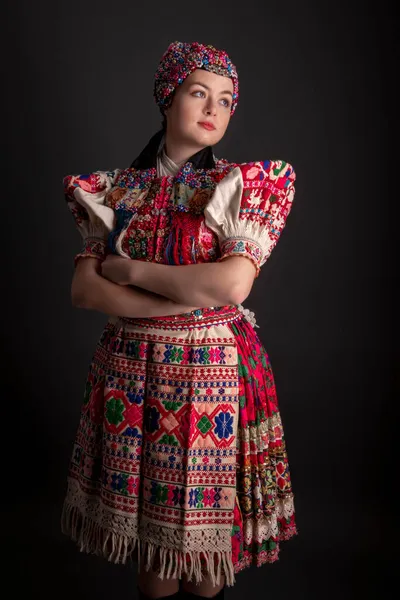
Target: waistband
202, 317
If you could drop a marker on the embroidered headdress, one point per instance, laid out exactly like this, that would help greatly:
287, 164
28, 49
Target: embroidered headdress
181, 59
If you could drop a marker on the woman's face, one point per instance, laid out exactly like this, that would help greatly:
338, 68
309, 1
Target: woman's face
201, 109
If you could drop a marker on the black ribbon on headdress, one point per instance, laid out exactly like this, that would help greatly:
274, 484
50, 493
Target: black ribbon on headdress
147, 159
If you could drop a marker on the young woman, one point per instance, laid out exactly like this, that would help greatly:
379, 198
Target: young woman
179, 459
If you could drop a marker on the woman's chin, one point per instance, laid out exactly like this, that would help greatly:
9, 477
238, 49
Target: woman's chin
206, 138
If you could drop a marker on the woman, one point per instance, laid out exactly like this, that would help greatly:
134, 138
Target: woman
179, 459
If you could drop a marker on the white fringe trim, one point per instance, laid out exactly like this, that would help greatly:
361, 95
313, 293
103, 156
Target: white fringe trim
95, 539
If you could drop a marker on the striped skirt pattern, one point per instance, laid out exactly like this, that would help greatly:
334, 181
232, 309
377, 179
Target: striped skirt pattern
179, 459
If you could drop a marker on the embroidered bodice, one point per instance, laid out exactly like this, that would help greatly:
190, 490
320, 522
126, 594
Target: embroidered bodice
194, 216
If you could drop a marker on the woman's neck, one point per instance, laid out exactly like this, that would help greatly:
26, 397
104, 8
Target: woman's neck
178, 152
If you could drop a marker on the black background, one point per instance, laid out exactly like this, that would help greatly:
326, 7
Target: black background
315, 83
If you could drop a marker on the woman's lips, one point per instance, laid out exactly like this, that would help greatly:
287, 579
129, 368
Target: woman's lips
208, 126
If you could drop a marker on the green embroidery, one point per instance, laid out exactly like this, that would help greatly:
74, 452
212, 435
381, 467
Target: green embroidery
261, 418
204, 424
143, 248
176, 354
162, 493
169, 439
277, 170
200, 498
235, 329
172, 404
206, 354
114, 410
235, 529
138, 248
252, 362
263, 360
242, 369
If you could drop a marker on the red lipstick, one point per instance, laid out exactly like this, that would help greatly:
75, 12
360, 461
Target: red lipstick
207, 125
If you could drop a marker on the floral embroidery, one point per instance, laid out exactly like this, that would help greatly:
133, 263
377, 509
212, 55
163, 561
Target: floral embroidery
224, 423
268, 192
93, 248
180, 414
237, 247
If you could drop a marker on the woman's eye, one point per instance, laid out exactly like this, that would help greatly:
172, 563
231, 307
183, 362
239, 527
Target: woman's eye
202, 94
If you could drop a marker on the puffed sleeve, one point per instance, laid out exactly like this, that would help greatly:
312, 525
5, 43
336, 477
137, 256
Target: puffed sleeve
85, 196
249, 208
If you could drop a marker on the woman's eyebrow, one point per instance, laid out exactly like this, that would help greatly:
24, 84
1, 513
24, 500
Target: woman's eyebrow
207, 88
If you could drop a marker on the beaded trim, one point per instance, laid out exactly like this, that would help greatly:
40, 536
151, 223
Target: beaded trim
181, 59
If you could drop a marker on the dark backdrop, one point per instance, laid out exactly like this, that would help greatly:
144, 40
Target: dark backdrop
77, 83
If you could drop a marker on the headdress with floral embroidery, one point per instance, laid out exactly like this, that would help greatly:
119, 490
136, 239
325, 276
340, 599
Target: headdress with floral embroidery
181, 59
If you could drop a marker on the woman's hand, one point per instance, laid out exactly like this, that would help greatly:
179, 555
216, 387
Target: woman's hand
117, 269
209, 284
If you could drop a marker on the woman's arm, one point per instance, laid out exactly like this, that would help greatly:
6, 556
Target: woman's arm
92, 291
210, 284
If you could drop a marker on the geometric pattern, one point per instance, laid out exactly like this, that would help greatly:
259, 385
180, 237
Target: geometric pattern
182, 446
180, 443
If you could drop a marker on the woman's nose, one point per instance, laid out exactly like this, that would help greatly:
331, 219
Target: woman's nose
211, 107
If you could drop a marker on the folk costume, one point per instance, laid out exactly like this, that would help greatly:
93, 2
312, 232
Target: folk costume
180, 460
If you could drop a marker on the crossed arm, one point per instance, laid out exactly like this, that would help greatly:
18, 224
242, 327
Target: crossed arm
159, 290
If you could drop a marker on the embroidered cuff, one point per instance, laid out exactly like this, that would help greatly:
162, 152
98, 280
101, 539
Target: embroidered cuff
242, 247
92, 248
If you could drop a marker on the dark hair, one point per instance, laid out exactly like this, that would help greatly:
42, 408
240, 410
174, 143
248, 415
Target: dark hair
203, 159
164, 118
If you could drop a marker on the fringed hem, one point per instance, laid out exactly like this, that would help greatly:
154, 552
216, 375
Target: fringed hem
92, 538
171, 563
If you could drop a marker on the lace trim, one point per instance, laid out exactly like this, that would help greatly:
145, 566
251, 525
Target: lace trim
111, 534
265, 528
101, 531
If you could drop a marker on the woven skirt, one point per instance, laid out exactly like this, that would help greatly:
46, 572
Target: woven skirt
179, 460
